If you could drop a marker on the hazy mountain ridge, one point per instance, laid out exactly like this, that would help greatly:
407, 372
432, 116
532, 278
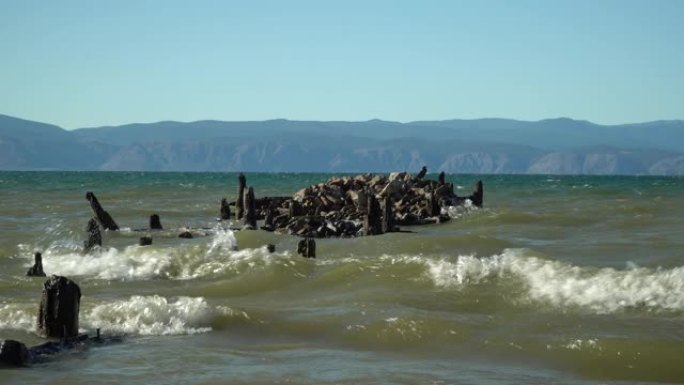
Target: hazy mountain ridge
483, 146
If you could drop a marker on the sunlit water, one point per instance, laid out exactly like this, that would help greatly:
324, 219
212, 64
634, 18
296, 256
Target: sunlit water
576, 280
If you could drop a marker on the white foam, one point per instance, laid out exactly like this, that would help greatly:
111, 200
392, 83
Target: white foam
152, 315
560, 284
185, 261
15, 316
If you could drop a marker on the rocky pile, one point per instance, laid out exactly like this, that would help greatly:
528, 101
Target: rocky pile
349, 206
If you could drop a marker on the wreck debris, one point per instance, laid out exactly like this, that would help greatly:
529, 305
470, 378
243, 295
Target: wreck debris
307, 248
102, 216
37, 269
94, 235
155, 222
239, 202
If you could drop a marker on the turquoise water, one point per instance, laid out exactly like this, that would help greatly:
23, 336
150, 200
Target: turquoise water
558, 279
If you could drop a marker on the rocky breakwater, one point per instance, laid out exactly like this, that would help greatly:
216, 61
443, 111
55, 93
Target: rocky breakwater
368, 204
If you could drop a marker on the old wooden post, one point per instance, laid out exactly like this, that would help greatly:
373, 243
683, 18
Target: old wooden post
225, 210
388, 216
422, 173
372, 224
240, 201
59, 307
307, 248
94, 235
250, 218
441, 178
478, 194
37, 269
155, 222
102, 216
145, 241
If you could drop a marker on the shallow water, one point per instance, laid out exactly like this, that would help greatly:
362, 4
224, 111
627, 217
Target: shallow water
574, 280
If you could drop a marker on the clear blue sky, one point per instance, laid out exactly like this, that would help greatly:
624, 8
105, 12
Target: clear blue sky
92, 63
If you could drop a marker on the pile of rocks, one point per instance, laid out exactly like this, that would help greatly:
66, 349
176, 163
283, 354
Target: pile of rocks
353, 206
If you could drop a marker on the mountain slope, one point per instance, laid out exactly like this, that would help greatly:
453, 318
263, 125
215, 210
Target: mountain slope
554, 146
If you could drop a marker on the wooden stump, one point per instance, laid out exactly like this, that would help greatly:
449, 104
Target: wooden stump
422, 173
372, 224
250, 219
94, 235
307, 248
225, 210
478, 194
59, 307
37, 269
388, 216
441, 178
13, 353
102, 216
155, 222
239, 202
145, 241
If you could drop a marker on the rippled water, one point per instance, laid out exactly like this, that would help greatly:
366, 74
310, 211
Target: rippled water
574, 280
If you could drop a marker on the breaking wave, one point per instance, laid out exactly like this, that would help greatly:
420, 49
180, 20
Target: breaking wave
560, 284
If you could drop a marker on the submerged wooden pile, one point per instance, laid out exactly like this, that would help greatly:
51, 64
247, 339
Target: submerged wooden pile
352, 206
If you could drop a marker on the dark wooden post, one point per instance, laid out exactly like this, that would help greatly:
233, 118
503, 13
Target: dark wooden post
373, 222
388, 216
37, 269
102, 216
145, 241
94, 235
225, 210
307, 248
13, 353
433, 204
59, 307
478, 194
155, 222
250, 218
240, 201
441, 178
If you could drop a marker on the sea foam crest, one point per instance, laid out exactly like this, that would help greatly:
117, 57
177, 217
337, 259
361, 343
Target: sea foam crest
134, 262
152, 315
602, 290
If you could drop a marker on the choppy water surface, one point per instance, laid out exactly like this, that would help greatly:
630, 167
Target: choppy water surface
576, 280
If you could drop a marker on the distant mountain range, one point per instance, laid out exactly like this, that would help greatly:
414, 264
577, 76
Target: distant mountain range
482, 146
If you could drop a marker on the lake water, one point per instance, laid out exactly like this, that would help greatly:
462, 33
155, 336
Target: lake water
558, 279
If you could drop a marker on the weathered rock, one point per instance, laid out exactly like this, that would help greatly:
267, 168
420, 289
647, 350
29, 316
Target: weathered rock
240, 201
59, 308
225, 210
13, 353
94, 235
102, 216
37, 269
155, 222
307, 248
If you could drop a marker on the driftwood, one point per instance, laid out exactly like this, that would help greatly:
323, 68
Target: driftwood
102, 216
348, 206
37, 269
